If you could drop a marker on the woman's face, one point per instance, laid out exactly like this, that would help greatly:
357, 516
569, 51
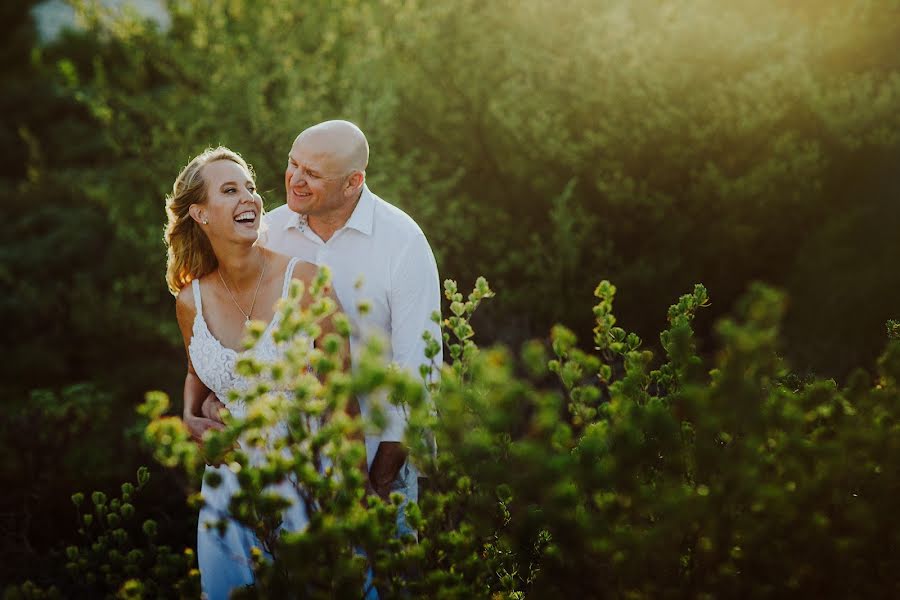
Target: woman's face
233, 207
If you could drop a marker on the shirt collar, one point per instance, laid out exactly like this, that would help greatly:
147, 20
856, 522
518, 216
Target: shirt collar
295, 220
361, 219
364, 214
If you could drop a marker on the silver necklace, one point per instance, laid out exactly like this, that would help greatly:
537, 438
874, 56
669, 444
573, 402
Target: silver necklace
252, 304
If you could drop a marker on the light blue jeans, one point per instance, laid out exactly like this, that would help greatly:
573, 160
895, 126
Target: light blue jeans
407, 483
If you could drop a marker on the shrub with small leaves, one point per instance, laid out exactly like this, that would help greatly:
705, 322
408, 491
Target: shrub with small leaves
719, 476
117, 559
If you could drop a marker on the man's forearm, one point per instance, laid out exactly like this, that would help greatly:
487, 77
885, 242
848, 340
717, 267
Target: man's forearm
389, 458
194, 394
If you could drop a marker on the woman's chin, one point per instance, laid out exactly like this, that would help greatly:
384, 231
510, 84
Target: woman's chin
239, 234
249, 231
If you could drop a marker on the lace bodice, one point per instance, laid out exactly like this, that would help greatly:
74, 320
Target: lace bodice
215, 364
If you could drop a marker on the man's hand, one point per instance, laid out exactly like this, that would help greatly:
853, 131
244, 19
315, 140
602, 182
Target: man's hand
212, 408
210, 417
386, 466
197, 426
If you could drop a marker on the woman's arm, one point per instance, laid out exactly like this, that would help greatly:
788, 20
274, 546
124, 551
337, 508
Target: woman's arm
194, 389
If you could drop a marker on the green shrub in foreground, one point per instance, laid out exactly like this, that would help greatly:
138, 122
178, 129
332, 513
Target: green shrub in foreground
609, 473
117, 556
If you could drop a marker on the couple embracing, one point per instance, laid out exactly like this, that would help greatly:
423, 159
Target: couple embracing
225, 271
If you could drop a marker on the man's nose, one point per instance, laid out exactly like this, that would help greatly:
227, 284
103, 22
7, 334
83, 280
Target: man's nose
297, 178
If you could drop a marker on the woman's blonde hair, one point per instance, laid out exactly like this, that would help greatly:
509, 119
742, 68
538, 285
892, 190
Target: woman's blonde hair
189, 253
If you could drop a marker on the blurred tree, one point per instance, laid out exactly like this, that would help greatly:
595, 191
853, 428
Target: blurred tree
544, 144
705, 137
657, 144
86, 341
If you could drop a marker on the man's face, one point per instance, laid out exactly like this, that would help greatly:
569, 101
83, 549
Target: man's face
313, 180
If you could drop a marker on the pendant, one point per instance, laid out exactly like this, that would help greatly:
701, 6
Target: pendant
247, 323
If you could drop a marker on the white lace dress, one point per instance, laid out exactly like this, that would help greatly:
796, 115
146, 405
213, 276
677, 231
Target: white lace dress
224, 560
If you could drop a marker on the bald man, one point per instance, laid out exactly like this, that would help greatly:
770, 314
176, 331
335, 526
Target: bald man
376, 254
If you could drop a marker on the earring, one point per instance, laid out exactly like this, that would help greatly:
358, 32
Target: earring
206, 221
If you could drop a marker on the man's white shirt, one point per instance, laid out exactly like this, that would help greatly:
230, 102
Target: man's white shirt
380, 257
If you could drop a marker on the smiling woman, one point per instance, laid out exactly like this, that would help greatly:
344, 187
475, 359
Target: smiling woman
230, 190
190, 254
223, 278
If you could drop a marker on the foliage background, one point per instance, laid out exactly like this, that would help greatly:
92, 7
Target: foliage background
544, 145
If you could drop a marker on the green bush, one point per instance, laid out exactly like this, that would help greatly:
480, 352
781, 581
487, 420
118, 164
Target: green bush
114, 558
631, 476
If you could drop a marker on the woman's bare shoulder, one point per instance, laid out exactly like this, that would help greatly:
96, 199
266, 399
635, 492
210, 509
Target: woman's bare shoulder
185, 314
304, 271
276, 262
184, 303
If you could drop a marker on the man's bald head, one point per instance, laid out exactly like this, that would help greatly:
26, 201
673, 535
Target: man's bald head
326, 173
342, 142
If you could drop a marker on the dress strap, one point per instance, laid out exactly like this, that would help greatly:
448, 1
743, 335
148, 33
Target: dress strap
288, 273
195, 284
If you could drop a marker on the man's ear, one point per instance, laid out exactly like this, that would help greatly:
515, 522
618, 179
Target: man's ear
356, 181
197, 213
